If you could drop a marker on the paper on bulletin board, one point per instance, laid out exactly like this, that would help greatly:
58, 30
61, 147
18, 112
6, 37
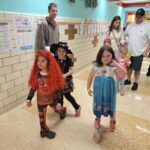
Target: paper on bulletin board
5, 39
24, 32
81, 27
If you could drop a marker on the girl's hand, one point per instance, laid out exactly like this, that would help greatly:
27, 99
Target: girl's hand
64, 75
58, 106
90, 92
113, 62
28, 103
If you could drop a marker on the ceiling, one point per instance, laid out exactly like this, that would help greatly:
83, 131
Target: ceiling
131, 3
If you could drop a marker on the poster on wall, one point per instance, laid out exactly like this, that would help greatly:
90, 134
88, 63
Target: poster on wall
81, 27
24, 32
5, 39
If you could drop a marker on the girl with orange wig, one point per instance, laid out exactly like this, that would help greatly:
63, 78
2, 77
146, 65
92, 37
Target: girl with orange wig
46, 78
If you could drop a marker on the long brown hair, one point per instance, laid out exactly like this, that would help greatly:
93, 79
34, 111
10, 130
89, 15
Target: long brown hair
98, 61
116, 18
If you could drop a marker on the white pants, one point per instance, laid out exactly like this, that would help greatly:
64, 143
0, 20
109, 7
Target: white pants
120, 84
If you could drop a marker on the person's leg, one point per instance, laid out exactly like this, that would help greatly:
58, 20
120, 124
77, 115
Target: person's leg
112, 122
97, 136
129, 73
122, 86
71, 99
137, 70
136, 79
45, 132
76, 106
97, 122
42, 112
117, 85
136, 76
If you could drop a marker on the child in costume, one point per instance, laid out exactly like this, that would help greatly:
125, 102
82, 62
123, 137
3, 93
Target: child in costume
66, 66
125, 62
46, 78
104, 89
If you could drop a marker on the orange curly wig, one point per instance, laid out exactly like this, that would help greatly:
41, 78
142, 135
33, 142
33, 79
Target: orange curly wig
55, 77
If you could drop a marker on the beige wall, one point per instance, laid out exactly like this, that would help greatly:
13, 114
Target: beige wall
15, 65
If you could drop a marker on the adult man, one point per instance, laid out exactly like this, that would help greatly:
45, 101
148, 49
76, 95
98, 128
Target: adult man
48, 31
139, 43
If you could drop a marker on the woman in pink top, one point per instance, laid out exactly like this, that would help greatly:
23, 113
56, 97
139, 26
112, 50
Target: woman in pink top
124, 61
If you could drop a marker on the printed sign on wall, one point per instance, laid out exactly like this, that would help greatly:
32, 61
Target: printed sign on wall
24, 32
5, 39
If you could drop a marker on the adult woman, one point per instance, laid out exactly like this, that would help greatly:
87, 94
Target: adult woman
115, 34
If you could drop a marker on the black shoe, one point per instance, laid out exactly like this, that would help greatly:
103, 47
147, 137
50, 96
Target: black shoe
127, 82
63, 113
148, 73
49, 134
135, 86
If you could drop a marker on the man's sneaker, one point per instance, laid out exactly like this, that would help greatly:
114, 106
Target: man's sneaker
49, 134
127, 82
63, 113
135, 86
78, 112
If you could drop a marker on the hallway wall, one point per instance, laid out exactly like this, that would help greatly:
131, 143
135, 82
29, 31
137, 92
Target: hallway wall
104, 11
15, 65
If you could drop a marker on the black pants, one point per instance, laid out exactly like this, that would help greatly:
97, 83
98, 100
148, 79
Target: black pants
71, 99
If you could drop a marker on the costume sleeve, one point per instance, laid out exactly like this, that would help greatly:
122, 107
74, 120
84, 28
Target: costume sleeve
58, 96
31, 94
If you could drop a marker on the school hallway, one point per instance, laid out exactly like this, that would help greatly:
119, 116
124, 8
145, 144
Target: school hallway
19, 128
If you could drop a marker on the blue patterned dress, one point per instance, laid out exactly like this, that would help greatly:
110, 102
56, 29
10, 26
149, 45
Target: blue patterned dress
104, 91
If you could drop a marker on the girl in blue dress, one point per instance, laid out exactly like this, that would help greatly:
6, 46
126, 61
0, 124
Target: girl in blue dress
104, 90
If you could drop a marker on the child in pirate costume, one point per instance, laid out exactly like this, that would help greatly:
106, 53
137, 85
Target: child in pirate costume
46, 78
66, 64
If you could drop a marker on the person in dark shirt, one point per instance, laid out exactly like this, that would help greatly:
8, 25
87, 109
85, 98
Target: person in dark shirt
66, 66
46, 78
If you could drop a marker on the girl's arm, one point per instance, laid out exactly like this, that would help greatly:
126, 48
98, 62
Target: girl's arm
89, 81
70, 72
30, 96
119, 68
145, 53
128, 62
